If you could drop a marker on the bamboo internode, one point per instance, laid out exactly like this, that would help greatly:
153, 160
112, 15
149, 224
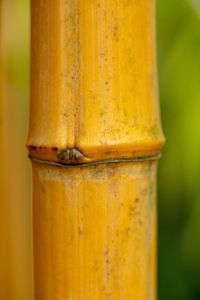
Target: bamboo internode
94, 138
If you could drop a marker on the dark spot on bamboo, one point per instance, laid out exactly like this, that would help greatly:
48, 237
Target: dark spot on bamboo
33, 147
70, 155
134, 211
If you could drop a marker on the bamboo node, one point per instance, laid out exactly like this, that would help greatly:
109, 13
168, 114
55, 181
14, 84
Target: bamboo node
70, 155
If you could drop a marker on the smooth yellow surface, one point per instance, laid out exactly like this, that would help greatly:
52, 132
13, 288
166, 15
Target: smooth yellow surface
94, 232
94, 84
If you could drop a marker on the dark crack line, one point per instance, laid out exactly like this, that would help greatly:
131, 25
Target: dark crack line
97, 162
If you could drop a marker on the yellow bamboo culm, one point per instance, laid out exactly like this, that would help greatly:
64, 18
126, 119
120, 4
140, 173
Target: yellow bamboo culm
94, 140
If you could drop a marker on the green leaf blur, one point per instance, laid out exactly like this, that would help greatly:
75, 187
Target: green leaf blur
178, 34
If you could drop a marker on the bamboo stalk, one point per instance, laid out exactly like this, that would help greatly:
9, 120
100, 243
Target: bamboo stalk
94, 140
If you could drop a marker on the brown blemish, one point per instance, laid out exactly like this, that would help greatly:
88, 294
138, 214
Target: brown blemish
134, 211
33, 147
108, 269
70, 155
38, 148
54, 148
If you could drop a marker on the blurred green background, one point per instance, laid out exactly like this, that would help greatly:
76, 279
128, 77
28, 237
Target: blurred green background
178, 35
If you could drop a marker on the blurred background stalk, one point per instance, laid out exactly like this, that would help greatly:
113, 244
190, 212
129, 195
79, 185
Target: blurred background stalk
15, 200
4, 205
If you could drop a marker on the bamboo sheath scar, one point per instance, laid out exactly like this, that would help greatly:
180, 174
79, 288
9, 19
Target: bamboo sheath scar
94, 140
